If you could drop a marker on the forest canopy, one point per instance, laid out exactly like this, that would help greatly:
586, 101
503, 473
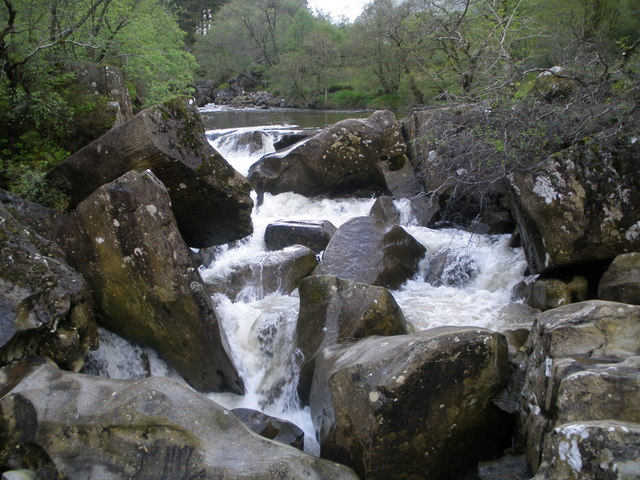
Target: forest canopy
397, 54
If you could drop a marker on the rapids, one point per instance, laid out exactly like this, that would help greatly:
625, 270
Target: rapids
260, 328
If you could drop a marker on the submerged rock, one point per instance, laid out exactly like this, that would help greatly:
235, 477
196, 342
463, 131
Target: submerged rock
451, 269
280, 271
369, 251
334, 310
210, 200
583, 206
621, 281
582, 366
413, 405
146, 287
341, 159
314, 234
45, 305
65, 425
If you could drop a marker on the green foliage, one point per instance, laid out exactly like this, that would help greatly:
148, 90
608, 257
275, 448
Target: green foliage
349, 99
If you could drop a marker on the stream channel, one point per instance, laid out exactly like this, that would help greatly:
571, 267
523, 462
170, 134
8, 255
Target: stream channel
261, 328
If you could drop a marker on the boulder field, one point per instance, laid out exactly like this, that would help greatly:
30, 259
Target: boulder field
557, 400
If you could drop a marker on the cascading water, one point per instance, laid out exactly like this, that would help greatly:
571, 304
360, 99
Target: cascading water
260, 328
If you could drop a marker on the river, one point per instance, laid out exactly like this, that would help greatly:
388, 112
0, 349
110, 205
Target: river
260, 328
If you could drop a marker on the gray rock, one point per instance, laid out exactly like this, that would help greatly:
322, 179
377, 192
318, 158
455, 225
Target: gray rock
340, 159
582, 365
146, 287
450, 268
270, 427
45, 305
369, 251
583, 206
592, 450
313, 234
383, 209
268, 272
334, 310
79, 426
546, 293
210, 199
509, 467
621, 281
418, 404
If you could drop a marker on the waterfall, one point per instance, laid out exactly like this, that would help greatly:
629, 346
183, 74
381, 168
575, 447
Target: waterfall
260, 328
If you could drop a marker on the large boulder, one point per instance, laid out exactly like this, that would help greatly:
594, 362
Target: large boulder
340, 159
314, 234
210, 199
411, 406
334, 310
582, 366
262, 274
65, 425
145, 285
45, 305
450, 268
367, 250
621, 281
546, 293
582, 206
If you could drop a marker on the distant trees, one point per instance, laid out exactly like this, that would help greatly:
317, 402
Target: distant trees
414, 51
43, 43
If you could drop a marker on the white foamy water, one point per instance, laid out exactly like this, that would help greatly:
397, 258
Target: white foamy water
260, 329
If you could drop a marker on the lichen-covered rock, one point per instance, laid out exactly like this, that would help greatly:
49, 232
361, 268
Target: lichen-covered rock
65, 425
592, 450
411, 406
546, 293
334, 310
45, 305
314, 234
583, 206
146, 288
621, 281
582, 365
340, 159
41, 220
555, 84
270, 427
210, 199
369, 251
265, 273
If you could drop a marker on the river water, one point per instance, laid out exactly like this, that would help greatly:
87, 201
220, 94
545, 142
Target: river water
260, 328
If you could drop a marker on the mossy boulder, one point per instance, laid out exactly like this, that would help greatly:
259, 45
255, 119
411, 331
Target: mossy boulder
146, 287
334, 310
209, 198
45, 305
367, 250
582, 206
412, 406
341, 159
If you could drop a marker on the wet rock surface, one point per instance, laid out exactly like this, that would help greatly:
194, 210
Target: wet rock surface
341, 159
369, 251
418, 404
